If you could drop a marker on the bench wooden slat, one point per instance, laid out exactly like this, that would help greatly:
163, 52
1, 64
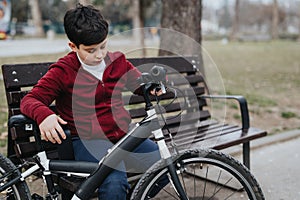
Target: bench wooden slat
187, 127
191, 79
14, 97
29, 74
187, 118
210, 133
14, 111
166, 108
180, 64
235, 138
71, 183
191, 129
130, 99
195, 131
171, 121
18, 133
28, 149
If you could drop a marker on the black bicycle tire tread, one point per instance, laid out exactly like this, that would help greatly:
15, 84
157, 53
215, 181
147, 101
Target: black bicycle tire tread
21, 186
245, 170
246, 173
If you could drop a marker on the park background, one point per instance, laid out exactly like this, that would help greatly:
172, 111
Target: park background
254, 44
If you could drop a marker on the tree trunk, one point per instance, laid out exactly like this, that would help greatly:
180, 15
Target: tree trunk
181, 28
138, 24
235, 25
184, 17
275, 19
85, 2
37, 17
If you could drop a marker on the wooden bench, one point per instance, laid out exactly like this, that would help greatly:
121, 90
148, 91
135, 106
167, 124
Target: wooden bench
189, 119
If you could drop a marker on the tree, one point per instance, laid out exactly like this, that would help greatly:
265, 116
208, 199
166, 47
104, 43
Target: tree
181, 28
138, 24
37, 17
235, 25
184, 17
225, 16
257, 17
85, 2
275, 20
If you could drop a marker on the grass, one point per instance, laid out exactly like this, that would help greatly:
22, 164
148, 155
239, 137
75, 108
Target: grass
267, 74
258, 68
288, 115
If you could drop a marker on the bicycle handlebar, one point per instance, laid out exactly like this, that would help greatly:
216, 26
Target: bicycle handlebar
156, 79
157, 75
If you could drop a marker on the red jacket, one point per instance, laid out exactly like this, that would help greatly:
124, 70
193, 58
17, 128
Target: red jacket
92, 108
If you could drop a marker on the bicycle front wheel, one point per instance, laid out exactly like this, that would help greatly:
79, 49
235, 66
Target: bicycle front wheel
8, 172
204, 174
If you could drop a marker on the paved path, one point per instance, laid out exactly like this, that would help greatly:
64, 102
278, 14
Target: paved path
275, 162
277, 168
9, 48
31, 46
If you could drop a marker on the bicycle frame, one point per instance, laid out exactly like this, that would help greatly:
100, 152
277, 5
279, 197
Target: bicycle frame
97, 173
150, 125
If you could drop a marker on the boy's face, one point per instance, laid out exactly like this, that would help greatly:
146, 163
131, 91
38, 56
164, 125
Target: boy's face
91, 55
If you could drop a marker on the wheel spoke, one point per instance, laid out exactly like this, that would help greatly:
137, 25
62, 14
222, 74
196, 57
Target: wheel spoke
215, 176
206, 176
183, 182
195, 192
217, 184
173, 196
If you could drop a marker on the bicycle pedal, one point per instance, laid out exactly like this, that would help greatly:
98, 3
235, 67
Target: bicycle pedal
35, 196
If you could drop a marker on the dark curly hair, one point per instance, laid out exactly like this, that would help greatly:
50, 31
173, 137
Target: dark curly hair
85, 25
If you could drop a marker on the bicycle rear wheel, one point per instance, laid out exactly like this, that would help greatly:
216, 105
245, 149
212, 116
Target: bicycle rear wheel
18, 191
204, 174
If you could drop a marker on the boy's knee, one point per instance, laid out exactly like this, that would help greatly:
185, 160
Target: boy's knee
115, 186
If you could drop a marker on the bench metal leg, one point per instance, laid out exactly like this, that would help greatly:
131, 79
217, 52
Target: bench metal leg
246, 154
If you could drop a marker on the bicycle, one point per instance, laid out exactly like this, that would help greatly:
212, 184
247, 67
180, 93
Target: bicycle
188, 174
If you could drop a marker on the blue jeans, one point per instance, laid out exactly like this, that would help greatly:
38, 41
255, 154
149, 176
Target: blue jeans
115, 186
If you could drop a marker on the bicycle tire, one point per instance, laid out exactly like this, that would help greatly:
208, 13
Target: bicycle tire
18, 191
233, 181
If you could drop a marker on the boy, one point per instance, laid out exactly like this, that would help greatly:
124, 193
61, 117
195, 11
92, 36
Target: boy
86, 85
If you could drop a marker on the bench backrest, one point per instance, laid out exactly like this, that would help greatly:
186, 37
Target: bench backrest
183, 73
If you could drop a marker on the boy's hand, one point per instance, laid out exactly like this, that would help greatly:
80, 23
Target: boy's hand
50, 128
156, 93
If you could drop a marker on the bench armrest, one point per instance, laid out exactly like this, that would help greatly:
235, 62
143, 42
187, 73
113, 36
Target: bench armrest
243, 107
65, 149
27, 124
19, 120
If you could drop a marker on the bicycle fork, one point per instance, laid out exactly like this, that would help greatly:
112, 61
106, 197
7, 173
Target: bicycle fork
166, 155
43, 163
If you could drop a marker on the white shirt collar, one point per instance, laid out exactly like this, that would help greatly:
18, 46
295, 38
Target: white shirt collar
96, 70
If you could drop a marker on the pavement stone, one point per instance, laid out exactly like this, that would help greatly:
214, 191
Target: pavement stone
275, 162
276, 167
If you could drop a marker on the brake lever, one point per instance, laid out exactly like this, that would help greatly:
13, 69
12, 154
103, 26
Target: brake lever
163, 88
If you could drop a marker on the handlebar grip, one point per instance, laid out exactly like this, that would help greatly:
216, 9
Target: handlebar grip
158, 73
